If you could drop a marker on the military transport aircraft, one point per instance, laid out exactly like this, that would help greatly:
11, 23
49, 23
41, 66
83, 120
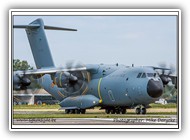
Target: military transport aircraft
114, 88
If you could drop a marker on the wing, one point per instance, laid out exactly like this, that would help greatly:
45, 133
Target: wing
160, 68
70, 78
48, 71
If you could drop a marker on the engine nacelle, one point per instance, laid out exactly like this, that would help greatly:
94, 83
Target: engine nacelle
164, 79
20, 83
62, 79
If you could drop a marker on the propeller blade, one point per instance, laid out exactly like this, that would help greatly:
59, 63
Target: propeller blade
70, 90
77, 87
166, 73
80, 82
77, 78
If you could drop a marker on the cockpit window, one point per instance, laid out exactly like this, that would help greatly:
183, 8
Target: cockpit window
143, 75
139, 75
151, 74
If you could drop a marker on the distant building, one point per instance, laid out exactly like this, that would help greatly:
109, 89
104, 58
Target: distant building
40, 96
161, 101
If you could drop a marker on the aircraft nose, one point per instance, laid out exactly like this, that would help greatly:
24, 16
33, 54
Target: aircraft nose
154, 88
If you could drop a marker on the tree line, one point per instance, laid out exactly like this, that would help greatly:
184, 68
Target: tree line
21, 65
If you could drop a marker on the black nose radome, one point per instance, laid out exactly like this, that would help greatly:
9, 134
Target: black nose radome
154, 88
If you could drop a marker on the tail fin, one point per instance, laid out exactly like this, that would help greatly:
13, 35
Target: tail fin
38, 42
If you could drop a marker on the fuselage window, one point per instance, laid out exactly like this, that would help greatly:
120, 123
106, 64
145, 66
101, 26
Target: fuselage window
139, 75
143, 75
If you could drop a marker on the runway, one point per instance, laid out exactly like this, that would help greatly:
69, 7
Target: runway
97, 121
91, 118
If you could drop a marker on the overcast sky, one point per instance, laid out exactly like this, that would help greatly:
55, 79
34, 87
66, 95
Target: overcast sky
141, 40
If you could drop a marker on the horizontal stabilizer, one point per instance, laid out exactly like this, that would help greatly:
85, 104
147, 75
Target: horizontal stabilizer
58, 28
34, 26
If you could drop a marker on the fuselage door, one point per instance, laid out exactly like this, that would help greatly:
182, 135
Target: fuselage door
110, 94
139, 91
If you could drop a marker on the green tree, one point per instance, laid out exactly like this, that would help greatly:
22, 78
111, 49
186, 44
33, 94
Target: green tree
21, 65
170, 93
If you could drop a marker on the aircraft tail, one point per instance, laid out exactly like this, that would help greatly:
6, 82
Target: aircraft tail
38, 42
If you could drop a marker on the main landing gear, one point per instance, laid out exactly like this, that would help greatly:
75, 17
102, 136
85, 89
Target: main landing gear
122, 110
75, 111
116, 110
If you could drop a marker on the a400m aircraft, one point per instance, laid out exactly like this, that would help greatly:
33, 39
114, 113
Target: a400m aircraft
114, 88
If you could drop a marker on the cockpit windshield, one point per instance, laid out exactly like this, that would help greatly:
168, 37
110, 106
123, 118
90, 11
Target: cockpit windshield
141, 75
144, 75
151, 74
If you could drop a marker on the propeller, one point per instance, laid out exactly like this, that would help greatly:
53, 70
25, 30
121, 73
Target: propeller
21, 81
24, 84
78, 80
166, 74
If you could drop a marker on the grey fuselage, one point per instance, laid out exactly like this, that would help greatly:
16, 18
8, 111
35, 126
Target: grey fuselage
115, 85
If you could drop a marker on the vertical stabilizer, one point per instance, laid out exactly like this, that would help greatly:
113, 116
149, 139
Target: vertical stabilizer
38, 42
39, 45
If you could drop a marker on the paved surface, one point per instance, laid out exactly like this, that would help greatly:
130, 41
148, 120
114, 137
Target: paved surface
97, 121
127, 119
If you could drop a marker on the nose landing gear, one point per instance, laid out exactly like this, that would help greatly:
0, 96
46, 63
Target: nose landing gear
140, 110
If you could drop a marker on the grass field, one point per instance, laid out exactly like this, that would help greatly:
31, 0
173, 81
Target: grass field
36, 107
171, 105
